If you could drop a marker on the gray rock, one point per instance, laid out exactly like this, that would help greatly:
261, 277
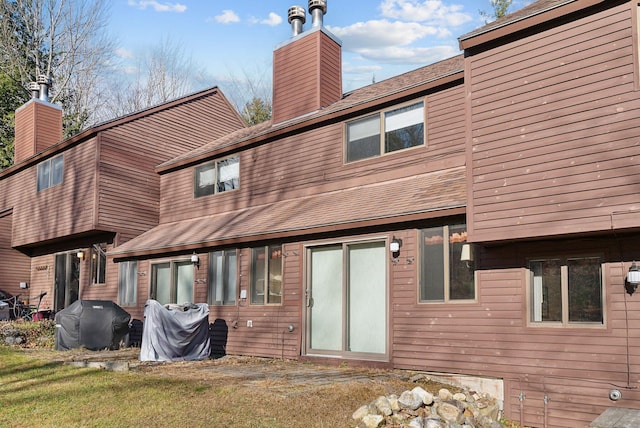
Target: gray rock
450, 413
409, 400
383, 405
372, 421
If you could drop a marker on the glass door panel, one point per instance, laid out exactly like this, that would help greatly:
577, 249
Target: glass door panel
184, 282
326, 308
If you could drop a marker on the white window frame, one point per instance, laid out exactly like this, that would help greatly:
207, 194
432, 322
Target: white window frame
128, 283
228, 286
50, 172
366, 127
98, 264
272, 286
220, 178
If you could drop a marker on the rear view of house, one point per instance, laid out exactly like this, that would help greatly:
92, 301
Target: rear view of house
475, 217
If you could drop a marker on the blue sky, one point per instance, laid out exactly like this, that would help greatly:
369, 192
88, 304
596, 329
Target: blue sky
380, 38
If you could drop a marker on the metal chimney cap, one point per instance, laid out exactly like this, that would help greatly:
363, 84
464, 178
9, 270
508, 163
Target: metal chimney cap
297, 12
33, 86
314, 4
43, 79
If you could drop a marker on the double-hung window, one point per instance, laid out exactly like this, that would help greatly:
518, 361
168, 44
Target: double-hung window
217, 176
385, 132
98, 263
128, 283
223, 277
50, 172
444, 276
566, 290
172, 282
266, 275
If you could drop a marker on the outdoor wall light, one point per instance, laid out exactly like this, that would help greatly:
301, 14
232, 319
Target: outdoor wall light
466, 255
195, 260
395, 245
633, 278
80, 255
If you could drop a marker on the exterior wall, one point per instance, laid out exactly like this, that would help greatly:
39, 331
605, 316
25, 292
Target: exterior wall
553, 131
15, 265
62, 210
38, 125
312, 162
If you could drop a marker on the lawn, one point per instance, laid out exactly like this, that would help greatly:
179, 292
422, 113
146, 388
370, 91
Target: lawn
38, 392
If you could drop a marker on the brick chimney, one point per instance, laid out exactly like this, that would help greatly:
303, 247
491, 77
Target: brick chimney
307, 69
38, 123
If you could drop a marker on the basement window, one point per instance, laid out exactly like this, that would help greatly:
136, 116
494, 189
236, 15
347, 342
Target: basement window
385, 132
50, 172
566, 291
217, 176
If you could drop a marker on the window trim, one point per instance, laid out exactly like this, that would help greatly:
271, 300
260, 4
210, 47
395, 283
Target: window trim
252, 280
447, 274
128, 265
173, 290
49, 183
211, 287
98, 250
565, 323
381, 117
214, 163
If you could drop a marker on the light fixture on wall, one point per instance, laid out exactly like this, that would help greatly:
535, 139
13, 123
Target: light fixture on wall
195, 260
466, 255
395, 245
633, 278
80, 255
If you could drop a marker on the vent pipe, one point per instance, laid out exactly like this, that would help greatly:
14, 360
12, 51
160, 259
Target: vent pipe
44, 83
317, 9
34, 88
297, 18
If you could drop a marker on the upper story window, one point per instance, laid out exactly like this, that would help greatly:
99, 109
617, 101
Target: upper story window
385, 132
50, 172
223, 266
266, 275
443, 276
217, 176
98, 263
566, 290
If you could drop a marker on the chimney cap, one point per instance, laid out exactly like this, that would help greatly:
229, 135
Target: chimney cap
297, 12
314, 4
43, 79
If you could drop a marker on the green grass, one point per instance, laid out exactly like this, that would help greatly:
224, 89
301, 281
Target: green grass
40, 393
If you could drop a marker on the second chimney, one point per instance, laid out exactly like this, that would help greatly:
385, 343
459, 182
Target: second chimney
307, 69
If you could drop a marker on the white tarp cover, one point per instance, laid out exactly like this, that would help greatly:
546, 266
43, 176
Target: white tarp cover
177, 334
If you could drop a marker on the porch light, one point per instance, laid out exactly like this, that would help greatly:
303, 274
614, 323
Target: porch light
195, 260
80, 255
466, 254
633, 278
395, 245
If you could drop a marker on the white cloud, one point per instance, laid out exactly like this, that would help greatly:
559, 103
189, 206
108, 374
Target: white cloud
383, 33
227, 17
124, 53
157, 6
434, 12
409, 55
273, 20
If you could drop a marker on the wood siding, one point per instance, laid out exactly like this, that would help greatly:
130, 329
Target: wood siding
307, 75
38, 125
554, 130
312, 163
14, 268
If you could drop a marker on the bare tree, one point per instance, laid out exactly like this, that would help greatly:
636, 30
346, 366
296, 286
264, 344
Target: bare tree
499, 8
162, 73
64, 40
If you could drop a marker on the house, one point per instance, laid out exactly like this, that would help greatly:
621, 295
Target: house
65, 203
477, 217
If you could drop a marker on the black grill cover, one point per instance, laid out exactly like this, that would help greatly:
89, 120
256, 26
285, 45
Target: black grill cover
92, 324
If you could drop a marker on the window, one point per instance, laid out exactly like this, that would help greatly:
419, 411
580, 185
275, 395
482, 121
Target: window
444, 277
222, 277
128, 283
98, 263
402, 128
172, 282
217, 177
566, 290
266, 275
50, 172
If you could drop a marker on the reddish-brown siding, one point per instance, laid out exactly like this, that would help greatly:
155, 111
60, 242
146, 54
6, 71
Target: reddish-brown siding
553, 131
307, 75
38, 125
15, 265
312, 163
